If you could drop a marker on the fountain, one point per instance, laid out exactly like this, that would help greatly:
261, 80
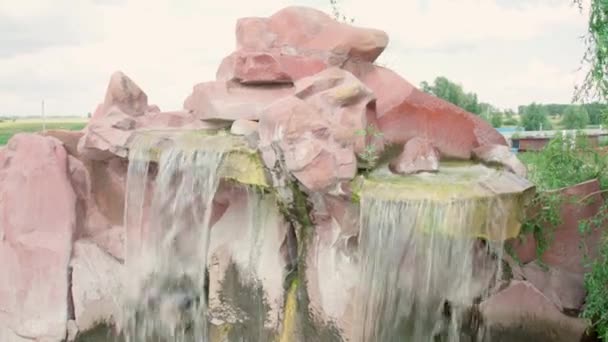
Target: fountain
431, 248
257, 214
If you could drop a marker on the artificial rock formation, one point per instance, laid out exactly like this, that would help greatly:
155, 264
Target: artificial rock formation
296, 42
37, 223
315, 130
299, 105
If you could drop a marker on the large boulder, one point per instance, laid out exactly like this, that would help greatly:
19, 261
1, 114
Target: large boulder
37, 221
520, 312
500, 155
267, 67
96, 286
418, 155
124, 94
296, 42
107, 135
69, 139
404, 112
316, 129
332, 270
231, 100
113, 121
246, 267
565, 289
580, 202
164, 120
124, 110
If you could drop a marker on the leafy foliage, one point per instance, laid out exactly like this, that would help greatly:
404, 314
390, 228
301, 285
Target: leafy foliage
534, 118
596, 280
370, 155
596, 55
453, 93
496, 119
595, 110
575, 117
567, 160
510, 122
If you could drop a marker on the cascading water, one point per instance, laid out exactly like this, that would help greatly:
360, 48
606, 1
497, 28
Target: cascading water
424, 257
243, 256
167, 253
173, 183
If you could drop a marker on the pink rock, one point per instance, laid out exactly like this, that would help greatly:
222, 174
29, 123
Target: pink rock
68, 138
405, 112
565, 289
332, 274
243, 127
107, 136
310, 31
108, 184
177, 119
502, 155
124, 94
96, 286
153, 109
232, 101
249, 236
267, 67
316, 129
524, 247
565, 250
111, 241
418, 155
90, 220
522, 310
37, 220
343, 99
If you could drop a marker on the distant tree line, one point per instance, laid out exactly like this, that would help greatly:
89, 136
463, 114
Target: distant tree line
533, 116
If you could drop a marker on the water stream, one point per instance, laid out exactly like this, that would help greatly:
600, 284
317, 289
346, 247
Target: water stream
426, 260
430, 249
167, 224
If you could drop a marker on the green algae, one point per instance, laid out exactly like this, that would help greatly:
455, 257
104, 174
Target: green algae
493, 198
241, 163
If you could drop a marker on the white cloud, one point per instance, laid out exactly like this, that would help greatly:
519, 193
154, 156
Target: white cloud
436, 23
167, 47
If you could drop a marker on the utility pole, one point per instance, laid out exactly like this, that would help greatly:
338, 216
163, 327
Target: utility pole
43, 119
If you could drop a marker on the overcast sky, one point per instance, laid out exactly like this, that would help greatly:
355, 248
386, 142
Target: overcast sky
509, 52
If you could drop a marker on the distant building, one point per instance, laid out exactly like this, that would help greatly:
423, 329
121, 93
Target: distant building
525, 141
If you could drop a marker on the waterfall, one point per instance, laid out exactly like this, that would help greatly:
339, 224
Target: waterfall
167, 217
426, 261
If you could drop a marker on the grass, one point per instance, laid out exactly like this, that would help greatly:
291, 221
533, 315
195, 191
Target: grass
8, 128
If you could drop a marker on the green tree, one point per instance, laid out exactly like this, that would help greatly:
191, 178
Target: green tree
496, 119
575, 117
534, 117
596, 111
453, 93
595, 84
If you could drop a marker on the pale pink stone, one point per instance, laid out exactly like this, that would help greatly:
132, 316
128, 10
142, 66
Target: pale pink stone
232, 101
404, 112
502, 155
37, 221
522, 308
418, 155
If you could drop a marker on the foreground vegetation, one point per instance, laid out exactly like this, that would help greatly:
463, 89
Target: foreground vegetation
564, 162
10, 127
